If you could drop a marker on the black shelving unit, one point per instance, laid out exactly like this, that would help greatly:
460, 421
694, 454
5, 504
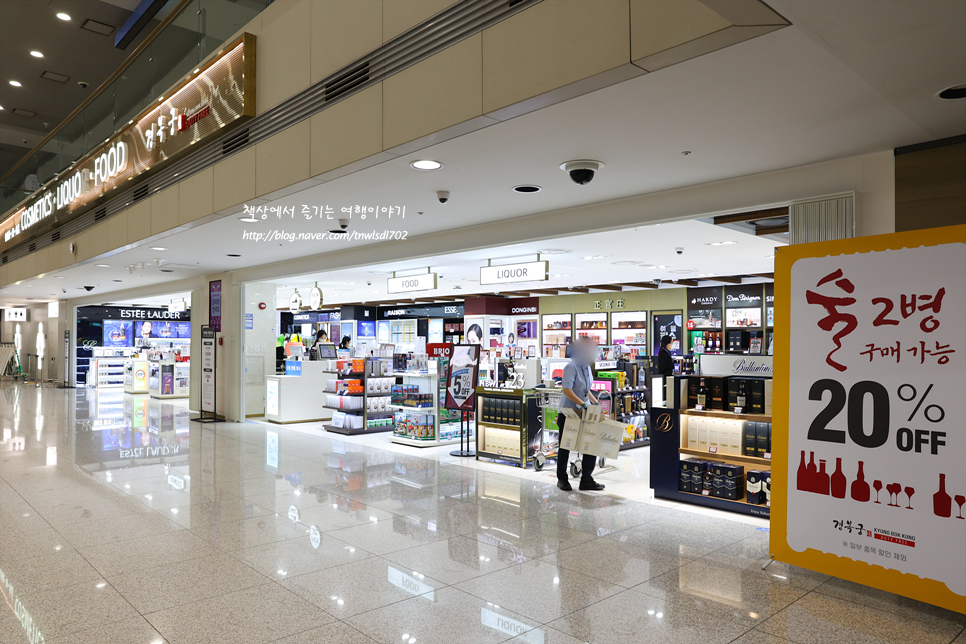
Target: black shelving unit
364, 412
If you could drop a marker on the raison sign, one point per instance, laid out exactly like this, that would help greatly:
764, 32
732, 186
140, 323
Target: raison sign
508, 273
216, 96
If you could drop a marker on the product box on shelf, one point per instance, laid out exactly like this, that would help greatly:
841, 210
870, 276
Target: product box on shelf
698, 469
756, 485
750, 438
728, 481
762, 439
684, 482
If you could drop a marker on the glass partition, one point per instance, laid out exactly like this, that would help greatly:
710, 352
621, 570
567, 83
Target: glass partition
198, 29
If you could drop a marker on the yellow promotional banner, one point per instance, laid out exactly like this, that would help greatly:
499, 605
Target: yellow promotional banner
869, 433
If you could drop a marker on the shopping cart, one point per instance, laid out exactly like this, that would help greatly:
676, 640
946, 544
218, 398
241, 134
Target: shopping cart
550, 435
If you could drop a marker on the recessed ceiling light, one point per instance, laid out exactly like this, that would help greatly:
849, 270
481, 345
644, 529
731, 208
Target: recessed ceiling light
554, 251
103, 265
527, 189
662, 266
562, 275
625, 262
60, 277
158, 248
723, 243
953, 93
36, 54
426, 164
15, 83
63, 16
232, 255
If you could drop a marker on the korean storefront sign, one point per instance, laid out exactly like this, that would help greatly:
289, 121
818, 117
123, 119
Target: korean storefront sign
214, 97
869, 440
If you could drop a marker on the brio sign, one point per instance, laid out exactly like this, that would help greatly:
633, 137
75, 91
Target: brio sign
223, 88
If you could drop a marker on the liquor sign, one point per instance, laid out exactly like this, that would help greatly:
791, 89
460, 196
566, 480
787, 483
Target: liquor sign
509, 273
411, 283
464, 373
868, 442
217, 95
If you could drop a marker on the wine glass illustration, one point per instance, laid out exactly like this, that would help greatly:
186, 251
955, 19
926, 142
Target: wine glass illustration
960, 500
894, 489
909, 492
878, 486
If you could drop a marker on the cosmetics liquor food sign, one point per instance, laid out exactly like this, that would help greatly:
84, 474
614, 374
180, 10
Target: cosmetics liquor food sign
870, 483
206, 103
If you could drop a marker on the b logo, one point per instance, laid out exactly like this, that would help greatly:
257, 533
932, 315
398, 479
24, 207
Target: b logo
664, 423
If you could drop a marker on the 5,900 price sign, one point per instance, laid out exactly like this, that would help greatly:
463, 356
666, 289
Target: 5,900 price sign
873, 468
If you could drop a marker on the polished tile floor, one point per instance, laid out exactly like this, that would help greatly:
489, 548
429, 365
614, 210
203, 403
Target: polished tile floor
121, 522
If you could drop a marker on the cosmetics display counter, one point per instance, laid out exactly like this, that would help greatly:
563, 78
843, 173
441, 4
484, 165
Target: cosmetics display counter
136, 376
418, 419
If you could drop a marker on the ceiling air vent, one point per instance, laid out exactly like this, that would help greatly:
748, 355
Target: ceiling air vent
140, 192
347, 82
235, 142
4, 259
22, 112
55, 236
54, 76
97, 27
32, 247
513, 3
100, 213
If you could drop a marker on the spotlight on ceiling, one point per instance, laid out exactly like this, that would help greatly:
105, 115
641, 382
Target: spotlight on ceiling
426, 164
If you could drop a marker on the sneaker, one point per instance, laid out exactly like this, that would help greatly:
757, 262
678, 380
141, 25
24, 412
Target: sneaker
565, 486
592, 486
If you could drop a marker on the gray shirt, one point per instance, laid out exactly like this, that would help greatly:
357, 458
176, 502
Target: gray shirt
579, 380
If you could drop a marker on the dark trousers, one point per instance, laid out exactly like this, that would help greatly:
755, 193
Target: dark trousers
588, 461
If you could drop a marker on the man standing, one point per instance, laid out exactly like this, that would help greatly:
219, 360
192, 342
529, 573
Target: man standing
577, 378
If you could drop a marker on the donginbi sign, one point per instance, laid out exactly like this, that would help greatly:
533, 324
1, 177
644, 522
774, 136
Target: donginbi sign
215, 96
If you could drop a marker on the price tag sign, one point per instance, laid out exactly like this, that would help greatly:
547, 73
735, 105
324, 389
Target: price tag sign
699, 408
713, 450
869, 412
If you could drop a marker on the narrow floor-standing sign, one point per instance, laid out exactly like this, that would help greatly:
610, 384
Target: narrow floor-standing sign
461, 381
869, 441
208, 366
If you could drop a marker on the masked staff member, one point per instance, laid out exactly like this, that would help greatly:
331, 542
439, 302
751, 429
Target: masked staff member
577, 378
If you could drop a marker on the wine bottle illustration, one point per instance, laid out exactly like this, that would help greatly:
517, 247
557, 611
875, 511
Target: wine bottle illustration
812, 471
838, 482
802, 478
942, 504
860, 488
822, 483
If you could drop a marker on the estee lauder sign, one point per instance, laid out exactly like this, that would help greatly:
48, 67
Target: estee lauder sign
216, 96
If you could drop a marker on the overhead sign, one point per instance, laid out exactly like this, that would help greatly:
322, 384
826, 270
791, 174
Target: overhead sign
219, 94
411, 283
426, 311
295, 302
868, 443
178, 306
315, 297
509, 273
15, 315
736, 365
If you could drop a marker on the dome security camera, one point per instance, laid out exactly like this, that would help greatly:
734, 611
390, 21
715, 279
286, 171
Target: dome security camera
88, 288
679, 250
581, 171
442, 195
343, 225
368, 283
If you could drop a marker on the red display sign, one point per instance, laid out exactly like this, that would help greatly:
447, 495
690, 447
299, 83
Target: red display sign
464, 372
440, 350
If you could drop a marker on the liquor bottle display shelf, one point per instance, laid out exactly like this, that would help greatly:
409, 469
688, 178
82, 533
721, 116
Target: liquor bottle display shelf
714, 413
731, 505
727, 458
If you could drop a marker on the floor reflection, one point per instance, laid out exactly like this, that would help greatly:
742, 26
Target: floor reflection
257, 532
